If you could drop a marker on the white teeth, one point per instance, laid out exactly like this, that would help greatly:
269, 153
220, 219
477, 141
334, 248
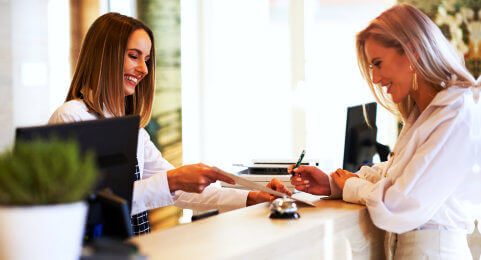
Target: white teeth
134, 79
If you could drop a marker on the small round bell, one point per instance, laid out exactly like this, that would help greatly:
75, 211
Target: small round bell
284, 208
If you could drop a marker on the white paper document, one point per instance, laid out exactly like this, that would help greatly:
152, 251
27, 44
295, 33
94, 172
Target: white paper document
256, 186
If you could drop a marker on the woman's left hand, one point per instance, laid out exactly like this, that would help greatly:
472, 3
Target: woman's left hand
340, 177
256, 197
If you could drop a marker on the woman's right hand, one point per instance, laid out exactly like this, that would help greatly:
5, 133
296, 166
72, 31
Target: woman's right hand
310, 179
194, 178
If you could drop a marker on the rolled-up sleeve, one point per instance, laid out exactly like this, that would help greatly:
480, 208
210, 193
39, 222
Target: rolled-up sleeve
373, 173
356, 190
350, 193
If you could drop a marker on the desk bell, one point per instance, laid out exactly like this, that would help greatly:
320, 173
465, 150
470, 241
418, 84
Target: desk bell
284, 208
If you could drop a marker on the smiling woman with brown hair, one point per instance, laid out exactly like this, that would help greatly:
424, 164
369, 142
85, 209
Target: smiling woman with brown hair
101, 59
115, 77
423, 192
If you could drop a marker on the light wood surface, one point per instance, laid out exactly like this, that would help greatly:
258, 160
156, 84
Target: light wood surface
332, 230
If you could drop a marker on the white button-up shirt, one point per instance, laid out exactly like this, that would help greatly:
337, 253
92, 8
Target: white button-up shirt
153, 191
432, 179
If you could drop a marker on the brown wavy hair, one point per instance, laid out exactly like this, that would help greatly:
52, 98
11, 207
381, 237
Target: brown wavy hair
98, 77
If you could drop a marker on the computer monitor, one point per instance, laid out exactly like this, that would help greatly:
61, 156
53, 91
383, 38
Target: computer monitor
360, 140
114, 142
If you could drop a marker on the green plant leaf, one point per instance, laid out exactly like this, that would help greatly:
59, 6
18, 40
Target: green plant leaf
45, 172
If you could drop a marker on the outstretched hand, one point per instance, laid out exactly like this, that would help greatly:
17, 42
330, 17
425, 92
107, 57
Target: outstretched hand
310, 179
256, 197
194, 178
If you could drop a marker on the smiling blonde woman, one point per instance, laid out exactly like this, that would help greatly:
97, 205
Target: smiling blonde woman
423, 194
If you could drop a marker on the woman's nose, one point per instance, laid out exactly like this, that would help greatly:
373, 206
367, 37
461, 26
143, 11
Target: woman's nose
142, 68
376, 78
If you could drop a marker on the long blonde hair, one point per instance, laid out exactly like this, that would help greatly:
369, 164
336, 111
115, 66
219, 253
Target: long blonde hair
432, 57
98, 77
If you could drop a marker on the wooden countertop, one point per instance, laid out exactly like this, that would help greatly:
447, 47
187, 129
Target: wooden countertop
333, 230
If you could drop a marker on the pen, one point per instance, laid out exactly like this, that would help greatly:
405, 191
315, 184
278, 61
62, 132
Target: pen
299, 161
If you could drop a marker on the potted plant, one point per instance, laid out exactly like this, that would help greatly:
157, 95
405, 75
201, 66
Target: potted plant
42, 187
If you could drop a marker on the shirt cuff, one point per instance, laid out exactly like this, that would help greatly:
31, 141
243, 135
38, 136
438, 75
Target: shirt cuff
356, 190
242, 198
336, 192
213, 197
151, 193
232, 199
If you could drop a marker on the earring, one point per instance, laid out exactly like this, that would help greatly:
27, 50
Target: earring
415, 79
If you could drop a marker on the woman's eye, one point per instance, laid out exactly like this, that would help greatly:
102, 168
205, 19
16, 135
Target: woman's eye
378, 64
133, 56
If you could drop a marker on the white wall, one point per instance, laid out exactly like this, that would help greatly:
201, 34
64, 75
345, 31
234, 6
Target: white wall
34, 62
125, 7
6, 97
235, 82
333, 80
247, 94
30, 62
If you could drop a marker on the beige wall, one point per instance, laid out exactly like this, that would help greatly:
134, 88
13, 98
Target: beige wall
82, 14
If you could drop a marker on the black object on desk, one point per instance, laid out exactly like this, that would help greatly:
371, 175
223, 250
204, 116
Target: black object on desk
109, 216
114, 142
360, 142
270, 168
206, 214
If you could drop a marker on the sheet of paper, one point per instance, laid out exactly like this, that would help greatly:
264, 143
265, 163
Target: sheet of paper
256, 186
308, 197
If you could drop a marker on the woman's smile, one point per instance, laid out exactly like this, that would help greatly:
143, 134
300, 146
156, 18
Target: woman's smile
388, 87
132, 80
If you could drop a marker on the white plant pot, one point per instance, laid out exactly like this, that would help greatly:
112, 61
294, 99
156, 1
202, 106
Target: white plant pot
42, 232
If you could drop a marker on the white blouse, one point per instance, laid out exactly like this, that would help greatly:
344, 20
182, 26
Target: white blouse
152, 191
432, 180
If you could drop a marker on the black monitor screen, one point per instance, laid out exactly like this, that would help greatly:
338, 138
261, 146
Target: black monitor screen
360, 141
114, 142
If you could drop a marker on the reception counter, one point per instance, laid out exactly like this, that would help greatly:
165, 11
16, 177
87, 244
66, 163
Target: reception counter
332, 230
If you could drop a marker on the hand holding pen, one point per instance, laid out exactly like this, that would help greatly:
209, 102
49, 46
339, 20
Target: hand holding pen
309, 178
291, 168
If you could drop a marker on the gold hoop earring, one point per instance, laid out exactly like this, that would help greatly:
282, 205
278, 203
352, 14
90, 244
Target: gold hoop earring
415, 79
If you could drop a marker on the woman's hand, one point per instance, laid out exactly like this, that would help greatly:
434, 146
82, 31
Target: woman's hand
194, 178
256, 197
310, 179
340, 177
